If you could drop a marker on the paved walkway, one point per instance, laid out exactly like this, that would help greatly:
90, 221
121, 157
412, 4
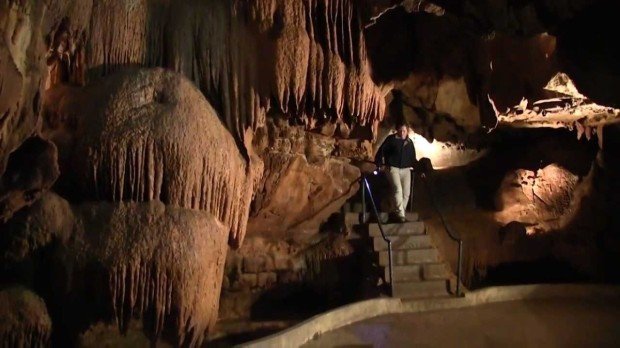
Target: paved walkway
531, 323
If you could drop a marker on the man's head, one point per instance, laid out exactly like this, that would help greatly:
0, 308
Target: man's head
402, 130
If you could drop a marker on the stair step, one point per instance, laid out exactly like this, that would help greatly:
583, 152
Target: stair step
415, 227
420, 289
418, 272
354, 218
408, 257
411, 241
435, 271
404, 273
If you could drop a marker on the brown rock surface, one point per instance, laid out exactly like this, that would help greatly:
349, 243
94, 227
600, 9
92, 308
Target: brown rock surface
303, 182
24, 321
298, 194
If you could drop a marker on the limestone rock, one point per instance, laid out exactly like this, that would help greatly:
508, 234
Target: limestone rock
296, 193
24, 321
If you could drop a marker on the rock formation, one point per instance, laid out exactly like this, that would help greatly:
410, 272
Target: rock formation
159, 264
24, 321
302, 177
151, 136
217, 44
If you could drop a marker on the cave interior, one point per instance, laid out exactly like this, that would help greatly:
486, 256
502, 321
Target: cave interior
188, 173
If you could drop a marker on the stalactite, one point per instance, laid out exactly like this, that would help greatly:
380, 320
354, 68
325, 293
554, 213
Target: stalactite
308, 55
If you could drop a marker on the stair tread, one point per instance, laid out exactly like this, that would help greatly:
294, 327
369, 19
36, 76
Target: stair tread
409, 256
411, 241
419, 272
420, 289
400, 229
352, 218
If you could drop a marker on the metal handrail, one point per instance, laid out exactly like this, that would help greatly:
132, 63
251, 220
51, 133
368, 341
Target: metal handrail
366, 188
451, 235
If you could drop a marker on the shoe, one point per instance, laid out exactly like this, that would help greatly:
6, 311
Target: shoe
402, 219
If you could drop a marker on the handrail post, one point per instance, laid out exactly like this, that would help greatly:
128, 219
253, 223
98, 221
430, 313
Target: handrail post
411, 191
458, 269
391, 268
459, 265
386, 239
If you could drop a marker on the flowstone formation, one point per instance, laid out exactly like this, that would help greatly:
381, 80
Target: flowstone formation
157, 191
24, 321
151, 135
126, 261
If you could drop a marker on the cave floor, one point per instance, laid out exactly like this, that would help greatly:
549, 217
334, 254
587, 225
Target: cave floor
531, 323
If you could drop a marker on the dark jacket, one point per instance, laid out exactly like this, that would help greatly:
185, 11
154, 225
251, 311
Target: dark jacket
396, 152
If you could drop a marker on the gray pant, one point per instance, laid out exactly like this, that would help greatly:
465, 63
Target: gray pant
400, 181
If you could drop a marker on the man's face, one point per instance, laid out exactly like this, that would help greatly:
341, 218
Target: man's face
402, 132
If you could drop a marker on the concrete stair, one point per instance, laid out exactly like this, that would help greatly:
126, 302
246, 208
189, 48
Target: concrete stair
352, 218
403, 242
418, 268
407, 228
420, 289
419, 272
409, 256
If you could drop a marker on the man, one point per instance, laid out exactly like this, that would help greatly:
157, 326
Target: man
396, 157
